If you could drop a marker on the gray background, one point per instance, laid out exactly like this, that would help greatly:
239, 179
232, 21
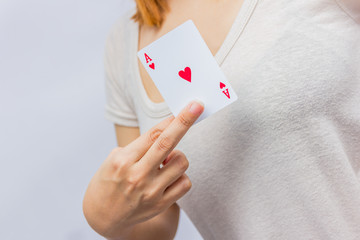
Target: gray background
53, 135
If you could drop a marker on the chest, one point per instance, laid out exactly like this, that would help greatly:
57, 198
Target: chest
285, 72
208, 17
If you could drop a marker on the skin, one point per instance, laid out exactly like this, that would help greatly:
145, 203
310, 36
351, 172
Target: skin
130, 197
212, 24
130, 188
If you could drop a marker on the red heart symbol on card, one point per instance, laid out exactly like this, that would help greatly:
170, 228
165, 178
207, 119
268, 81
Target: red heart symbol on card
222, 85
152, 66
186, 74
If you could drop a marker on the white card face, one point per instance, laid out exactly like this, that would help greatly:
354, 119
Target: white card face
184, 69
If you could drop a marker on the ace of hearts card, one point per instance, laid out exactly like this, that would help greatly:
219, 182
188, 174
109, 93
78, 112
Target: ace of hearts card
184, 69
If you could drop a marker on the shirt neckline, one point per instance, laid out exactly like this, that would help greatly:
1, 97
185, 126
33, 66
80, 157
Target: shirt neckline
161, 109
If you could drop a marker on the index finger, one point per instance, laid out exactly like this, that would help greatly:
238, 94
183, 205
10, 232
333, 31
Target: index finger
171, 136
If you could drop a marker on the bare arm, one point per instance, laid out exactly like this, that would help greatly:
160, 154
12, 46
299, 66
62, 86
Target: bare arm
160, 227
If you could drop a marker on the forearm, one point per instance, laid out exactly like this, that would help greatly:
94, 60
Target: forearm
160, 227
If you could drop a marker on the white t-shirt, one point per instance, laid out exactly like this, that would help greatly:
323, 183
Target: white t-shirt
282, 162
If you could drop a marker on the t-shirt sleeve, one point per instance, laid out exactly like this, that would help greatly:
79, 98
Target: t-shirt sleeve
118, 108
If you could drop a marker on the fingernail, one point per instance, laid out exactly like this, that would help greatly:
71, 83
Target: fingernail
196, 107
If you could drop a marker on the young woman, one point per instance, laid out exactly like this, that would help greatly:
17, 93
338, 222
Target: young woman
282, 162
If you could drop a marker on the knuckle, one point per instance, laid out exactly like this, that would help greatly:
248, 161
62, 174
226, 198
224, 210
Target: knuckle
150, 196
184, 121
117, 159
187, 184
118, 164
165, 143
154, 134
135, 181
116, 151
179, 154
182, 163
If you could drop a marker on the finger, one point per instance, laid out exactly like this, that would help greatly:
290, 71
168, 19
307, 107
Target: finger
178, 189
166, 160
170, 137
176, 167
137, 148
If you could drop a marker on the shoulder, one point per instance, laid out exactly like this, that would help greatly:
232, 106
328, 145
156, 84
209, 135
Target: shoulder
119, 41
118, 47
118, 34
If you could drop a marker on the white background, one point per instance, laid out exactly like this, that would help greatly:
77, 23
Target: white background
53, 135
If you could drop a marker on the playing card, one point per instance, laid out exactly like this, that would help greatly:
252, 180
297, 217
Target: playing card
183, 69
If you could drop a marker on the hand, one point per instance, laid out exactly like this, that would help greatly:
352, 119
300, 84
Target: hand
130, 187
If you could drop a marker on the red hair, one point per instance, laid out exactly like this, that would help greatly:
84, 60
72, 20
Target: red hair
150, 12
